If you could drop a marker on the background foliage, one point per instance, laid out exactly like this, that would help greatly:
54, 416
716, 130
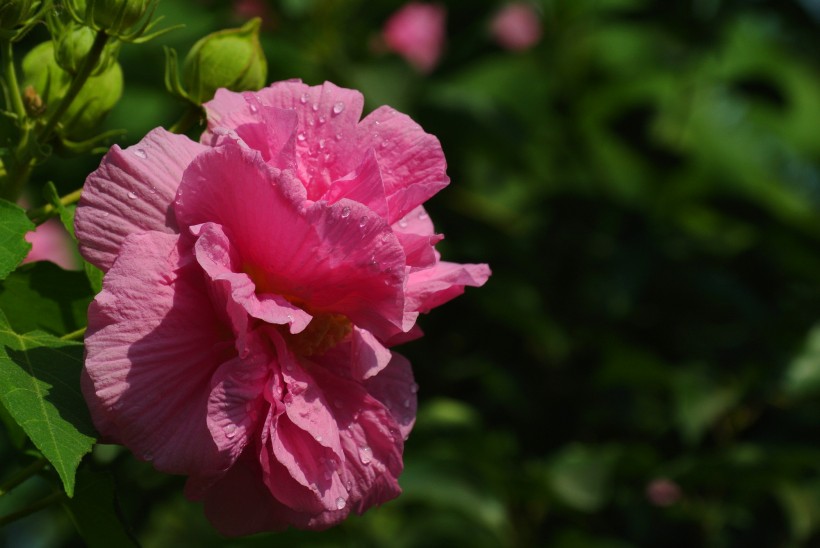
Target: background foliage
643, 368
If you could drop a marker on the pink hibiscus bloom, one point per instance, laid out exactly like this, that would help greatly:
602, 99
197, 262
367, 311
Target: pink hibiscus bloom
516, 26
416, 32
254, 285
51, 242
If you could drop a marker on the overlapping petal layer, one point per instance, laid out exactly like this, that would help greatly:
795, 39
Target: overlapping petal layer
255, 283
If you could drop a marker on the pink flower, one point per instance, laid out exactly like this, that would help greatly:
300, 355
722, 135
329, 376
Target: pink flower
254, 285
51, 242
416, 32
516, 26
663, 492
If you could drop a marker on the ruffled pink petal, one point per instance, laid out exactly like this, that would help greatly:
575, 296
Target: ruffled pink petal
369, 356
221, 261
363, 185
340, 258
52, 242
131, 192
435, 286
152, 346
396, 388
412, 163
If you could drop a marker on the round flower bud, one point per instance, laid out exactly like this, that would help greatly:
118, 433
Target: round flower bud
97, 97
15, 12
231, 58
116, 17
73, 46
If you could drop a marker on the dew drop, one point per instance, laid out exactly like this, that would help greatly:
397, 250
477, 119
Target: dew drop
230, 431
321, 143
338, 107
414, 388
345, 212
365, 454
422, 215
253, 107
319, 438
322, 120
340, 503
362, 222
300, 136
315, 107
290, 317
407, 402
385, 143
104, 214
338, 136
349, 485
327, 157
132, 195
403, 223
141, 153
376, 123
304, 98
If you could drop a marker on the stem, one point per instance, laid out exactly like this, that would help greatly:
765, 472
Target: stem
10, 75
190, 117
47, 211
31, 508
74, 335
77, 84
22, 475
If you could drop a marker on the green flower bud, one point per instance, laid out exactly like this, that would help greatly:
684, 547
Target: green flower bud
231, 58
118, 16
72, 48
16, 12
98, 96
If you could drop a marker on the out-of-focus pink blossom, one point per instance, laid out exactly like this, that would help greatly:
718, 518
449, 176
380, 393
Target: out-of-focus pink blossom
663, 492
416, 32
254, 285
516, 26
52, 242
248, 9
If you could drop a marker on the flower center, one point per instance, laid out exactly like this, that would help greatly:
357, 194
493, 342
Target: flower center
322, 333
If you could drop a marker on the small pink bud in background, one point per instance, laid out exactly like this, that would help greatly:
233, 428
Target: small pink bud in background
51, 242
248, 9
416, 32
663, 492
516, 27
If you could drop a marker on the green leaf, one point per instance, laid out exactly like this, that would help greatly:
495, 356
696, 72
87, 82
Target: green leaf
40, 388
95, 512
66, 212
44, 296
580, 476
13, 245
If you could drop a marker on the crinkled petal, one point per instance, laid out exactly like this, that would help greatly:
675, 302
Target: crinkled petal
369, 356
220, 260
132, 191
152, 346
435, 286
340, 258
411, 161
363, 185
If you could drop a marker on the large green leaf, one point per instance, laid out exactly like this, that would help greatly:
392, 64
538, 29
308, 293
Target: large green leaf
13, 246
95, 513
40, 388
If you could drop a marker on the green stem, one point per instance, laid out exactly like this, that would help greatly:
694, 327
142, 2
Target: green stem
10, 76
77, 84
74, 335
31, 508
190, 117
47, 211
22, 475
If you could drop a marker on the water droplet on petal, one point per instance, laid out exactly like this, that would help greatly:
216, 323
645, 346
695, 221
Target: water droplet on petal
253, 107
290, 317
349, 485
322, 120
132, 195
385, 143
376, 123
345, 212
141, 153
321, 143
300, 136
365, 454
403, 223
304, 98
414, 388
315, 107
340, 503
407, 402
362, 222
230, 431
104, 214
338, 107
338, 136
318, 438
422, 215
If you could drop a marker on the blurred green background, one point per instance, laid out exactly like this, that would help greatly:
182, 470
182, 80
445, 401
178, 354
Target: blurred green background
643, 368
